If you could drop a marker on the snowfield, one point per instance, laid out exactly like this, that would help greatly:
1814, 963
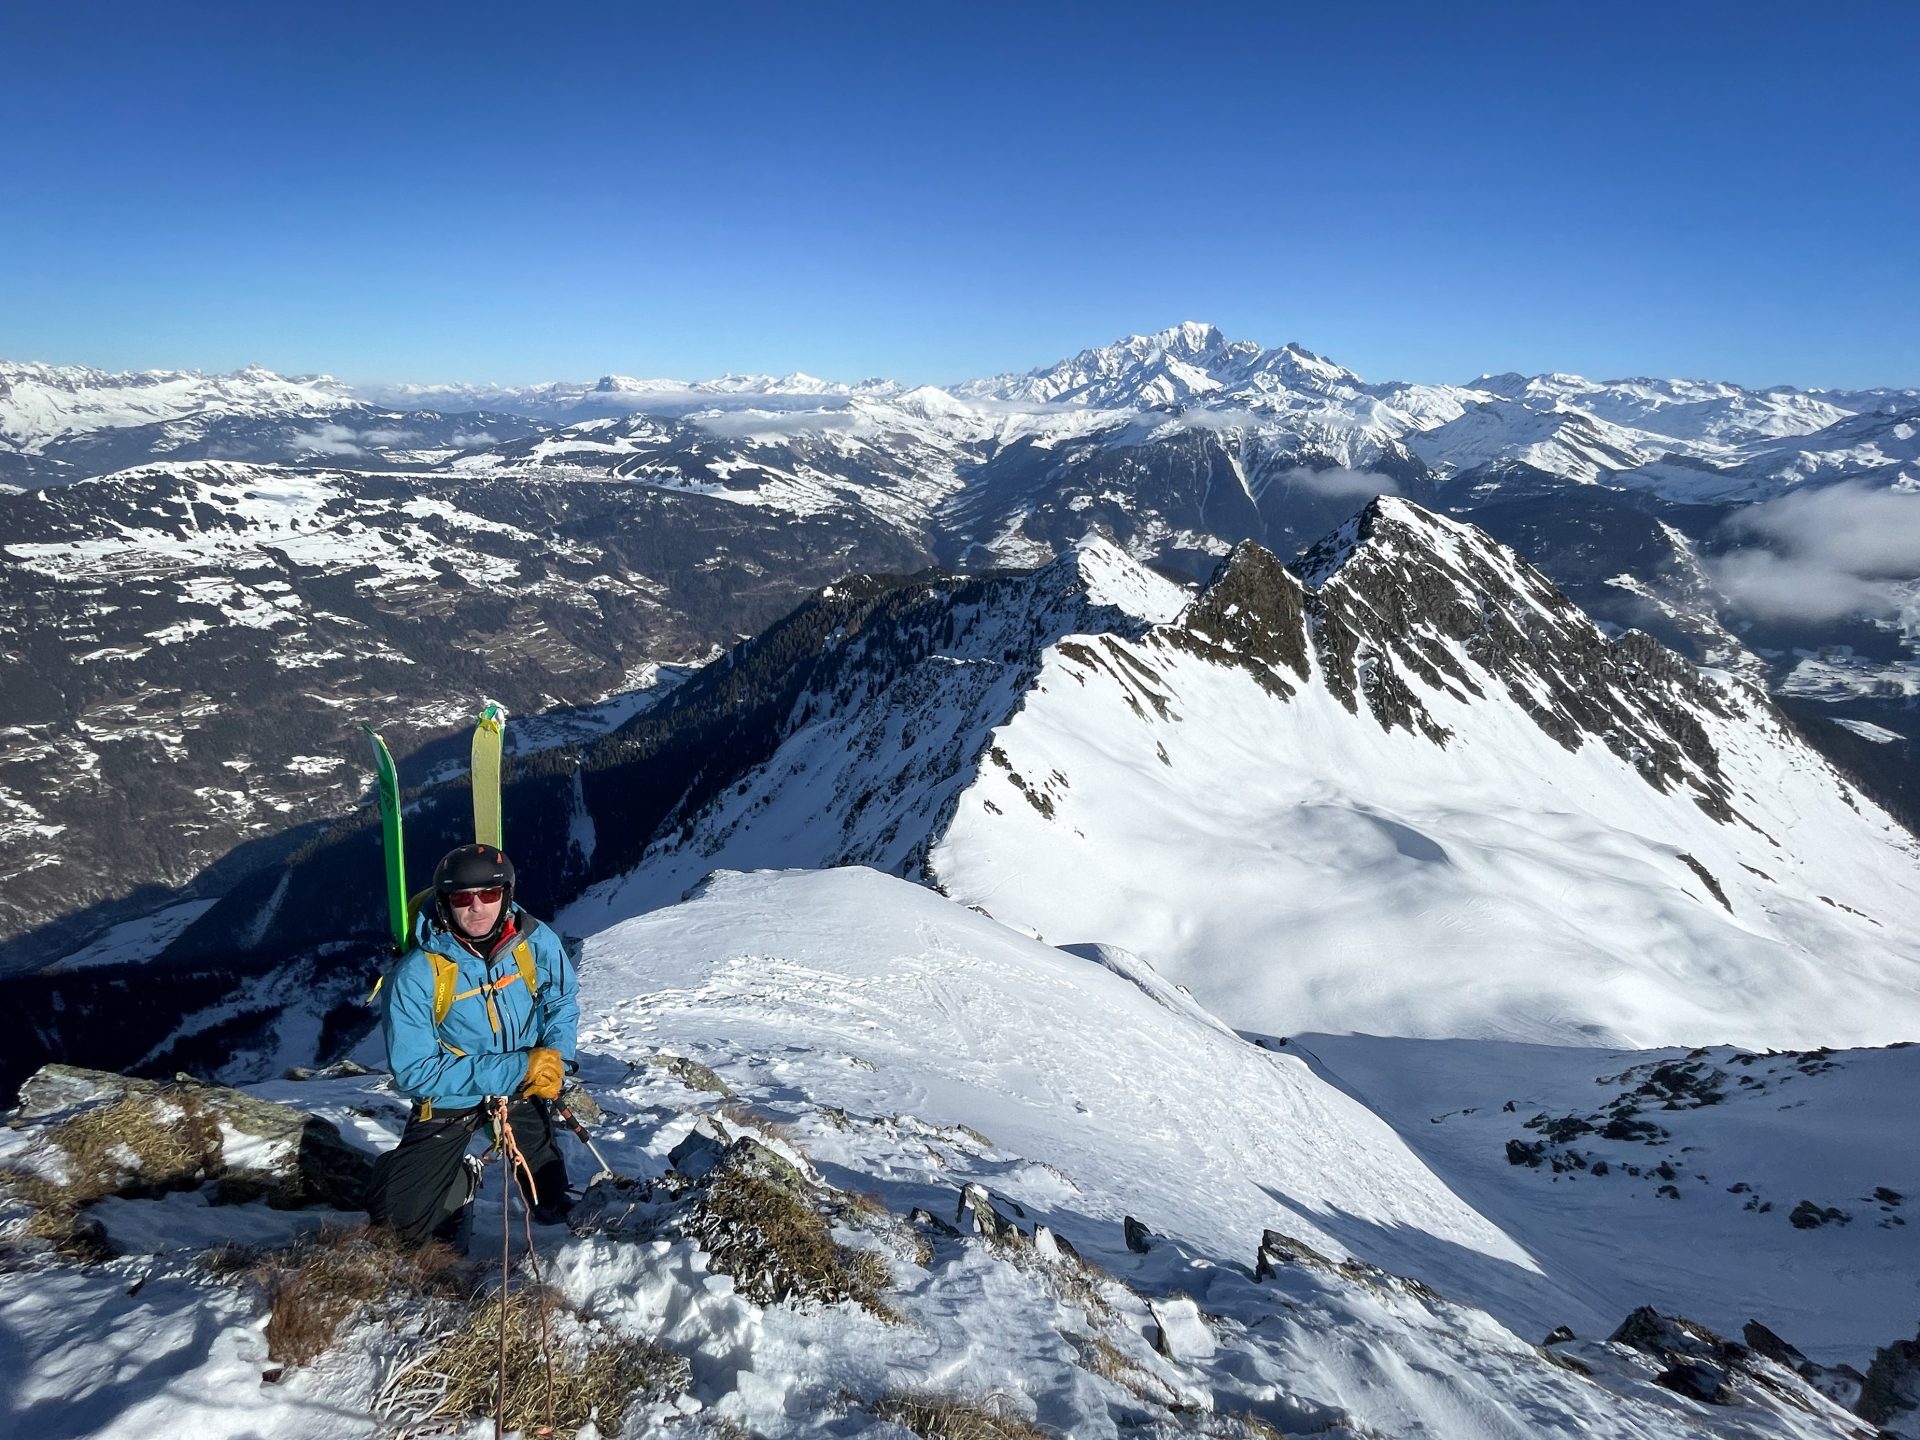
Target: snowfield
900, 1045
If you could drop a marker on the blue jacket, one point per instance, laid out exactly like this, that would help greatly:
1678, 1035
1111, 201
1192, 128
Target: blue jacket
466, 1058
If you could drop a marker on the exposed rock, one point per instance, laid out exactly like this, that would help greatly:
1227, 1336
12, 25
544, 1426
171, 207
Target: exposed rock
761, 1221
927, 1220
584, 1107
1180, 1331
1278, 1251
702, 1148
1559, 1335
692, 1074
1809, 1216
339, 1070
1707, 1367
1254, 615
1763, 1341
1139, 1238
977, 1215
1839, 1383
252, 1148
1891, 1389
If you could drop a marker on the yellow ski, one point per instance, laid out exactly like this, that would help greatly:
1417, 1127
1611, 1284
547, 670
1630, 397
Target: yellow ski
488, 732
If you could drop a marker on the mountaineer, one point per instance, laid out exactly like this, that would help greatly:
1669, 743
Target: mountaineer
482, 1006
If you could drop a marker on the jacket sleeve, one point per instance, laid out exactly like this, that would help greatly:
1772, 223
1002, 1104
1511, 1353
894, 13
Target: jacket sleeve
423, 1067
559, 995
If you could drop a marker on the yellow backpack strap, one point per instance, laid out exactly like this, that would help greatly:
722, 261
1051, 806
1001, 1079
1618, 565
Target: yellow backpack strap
523, 957
415, 904
446, 974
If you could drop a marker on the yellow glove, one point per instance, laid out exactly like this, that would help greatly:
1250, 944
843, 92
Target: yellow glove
546, 1072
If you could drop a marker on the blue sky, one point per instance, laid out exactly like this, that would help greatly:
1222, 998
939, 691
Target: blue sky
438, 191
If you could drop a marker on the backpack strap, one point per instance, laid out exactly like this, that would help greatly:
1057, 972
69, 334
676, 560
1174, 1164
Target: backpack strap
446, 974
443, 983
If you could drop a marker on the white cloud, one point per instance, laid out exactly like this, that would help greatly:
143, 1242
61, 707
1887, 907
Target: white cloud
472, 440
332, 440
1338, 483
1822, 554
776, 427
388, 437
1784, 587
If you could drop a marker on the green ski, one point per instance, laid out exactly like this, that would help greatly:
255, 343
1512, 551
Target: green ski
488, 733
392, 843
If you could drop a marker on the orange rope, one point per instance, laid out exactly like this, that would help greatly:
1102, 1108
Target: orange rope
516, 1167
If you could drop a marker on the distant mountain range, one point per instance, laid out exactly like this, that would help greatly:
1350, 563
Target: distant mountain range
1564, 424
250, 564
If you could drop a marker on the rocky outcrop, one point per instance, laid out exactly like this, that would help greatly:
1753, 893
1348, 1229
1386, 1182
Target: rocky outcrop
1691, 1360
99, 1134
1890, 1392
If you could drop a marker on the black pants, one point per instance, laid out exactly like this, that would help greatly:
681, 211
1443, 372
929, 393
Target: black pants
420, 1186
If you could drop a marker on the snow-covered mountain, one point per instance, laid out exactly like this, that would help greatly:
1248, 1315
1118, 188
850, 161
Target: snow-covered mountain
1176, 445
567, 402
1417, 752
1414, 750
40, 404
63, 423
1561, 424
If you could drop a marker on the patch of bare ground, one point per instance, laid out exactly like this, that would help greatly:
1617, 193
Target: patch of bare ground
948, 1417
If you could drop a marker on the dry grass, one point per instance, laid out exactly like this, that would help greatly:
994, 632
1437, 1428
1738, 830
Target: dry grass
944, 1417
757, 1223
868, 1269
863, 1207
135, 1145
596, 1376
742, 1116
316, 1285
54, 1217
1252, 1427
1078, 1283
1100, 1356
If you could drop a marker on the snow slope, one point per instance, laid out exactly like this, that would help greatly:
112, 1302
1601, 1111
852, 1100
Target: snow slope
1747, 1138
896, 1044
1303, 866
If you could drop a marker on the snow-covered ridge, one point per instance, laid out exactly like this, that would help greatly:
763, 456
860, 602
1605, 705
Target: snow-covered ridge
1426, 750
41, 403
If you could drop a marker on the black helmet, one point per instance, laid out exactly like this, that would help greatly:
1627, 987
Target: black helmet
473, 867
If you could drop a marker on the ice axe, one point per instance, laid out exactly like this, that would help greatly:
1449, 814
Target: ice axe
572, 1122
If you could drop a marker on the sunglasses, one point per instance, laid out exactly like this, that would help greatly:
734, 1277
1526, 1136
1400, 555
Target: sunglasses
461, 899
